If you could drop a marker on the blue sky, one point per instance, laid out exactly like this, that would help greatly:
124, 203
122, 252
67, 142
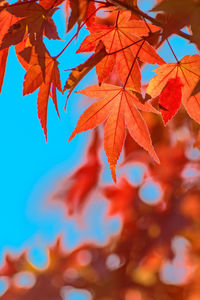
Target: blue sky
30, 167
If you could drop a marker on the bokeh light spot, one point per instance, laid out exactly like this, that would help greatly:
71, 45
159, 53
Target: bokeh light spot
178, 270
84, 257
135, 173
113, 261
24, 279
151, 193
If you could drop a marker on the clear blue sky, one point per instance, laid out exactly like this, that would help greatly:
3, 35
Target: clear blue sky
30, 167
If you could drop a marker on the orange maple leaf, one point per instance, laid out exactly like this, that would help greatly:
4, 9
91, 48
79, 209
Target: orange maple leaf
122, 42
34, 80
78, 11
117, 104
188, 70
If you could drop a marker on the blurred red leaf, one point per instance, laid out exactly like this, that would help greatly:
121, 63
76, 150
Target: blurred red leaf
74, 190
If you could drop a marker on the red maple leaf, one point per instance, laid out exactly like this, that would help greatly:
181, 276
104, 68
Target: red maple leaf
35, 79
74, 190
170, 99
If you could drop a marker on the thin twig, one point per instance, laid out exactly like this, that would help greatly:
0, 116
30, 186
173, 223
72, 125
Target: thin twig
76, 34
172, 51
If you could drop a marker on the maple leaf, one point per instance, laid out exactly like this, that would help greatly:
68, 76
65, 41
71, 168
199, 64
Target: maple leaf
34, 80
116, 105
170, 99
122, 42
188, 70
78, 12
75, 189
21, 20
30, 21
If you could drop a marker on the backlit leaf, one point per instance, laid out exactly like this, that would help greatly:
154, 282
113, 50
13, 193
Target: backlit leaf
188, 70
170, 99
116, 106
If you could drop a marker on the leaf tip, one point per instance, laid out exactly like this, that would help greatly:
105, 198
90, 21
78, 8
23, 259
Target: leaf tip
72, 136
154, 155
113, 172
45, 134
165, 122
157, 160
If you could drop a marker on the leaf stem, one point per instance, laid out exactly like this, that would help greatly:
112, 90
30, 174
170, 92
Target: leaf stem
117, 18
147, 25
135, 58
172, 51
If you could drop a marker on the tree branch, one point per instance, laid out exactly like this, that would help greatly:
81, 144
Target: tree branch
139, 12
